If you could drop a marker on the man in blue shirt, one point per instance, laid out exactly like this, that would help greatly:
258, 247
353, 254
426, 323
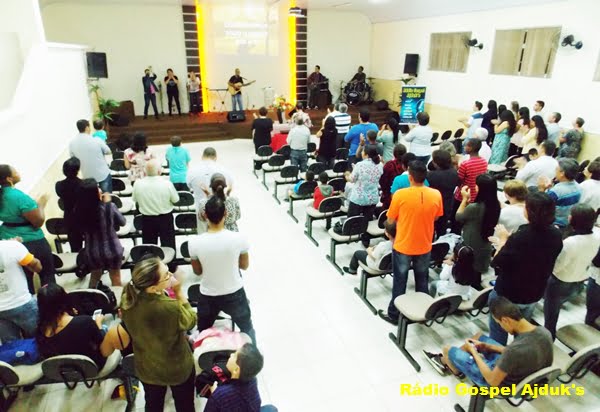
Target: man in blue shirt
566, 193
353, 136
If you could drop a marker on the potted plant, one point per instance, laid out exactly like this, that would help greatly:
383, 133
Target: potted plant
106, 107
281, 104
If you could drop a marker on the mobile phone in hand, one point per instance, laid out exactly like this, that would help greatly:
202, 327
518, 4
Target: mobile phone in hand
96, 313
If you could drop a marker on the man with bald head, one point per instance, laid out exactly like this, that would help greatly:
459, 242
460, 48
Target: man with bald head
236, 81
155, 197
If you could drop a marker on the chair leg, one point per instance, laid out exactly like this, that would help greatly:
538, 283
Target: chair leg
264, 182
362, 292
275, 193
291, 210
308, 231
331, 256
400, 341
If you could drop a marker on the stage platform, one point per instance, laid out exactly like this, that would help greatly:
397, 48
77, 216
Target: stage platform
213, 126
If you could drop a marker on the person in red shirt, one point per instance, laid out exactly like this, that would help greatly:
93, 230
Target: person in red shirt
468, 171
391, 169
323, 190
414, 209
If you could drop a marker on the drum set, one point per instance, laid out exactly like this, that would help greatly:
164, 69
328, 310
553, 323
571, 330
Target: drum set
355, 93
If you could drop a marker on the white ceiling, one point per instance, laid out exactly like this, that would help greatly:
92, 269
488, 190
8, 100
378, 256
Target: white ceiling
377, 10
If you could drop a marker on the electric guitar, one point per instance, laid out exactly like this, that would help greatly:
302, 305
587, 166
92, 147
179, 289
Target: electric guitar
233, 90
315, 86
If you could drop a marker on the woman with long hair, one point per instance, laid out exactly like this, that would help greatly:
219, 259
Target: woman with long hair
136, 156
479, 220
218, 183
98, 217
62, 332
536, 135
457, 274
504, 131
388, 136
365, 176
327, 140
486, 121
157, 325
23, 217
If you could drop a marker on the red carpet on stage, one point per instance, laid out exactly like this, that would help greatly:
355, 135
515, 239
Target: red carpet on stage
213, 126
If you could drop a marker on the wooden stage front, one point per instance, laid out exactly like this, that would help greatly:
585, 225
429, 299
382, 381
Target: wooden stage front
214, 126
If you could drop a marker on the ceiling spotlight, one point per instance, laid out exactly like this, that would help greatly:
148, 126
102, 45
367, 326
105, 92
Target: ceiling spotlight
570, 41
473, 43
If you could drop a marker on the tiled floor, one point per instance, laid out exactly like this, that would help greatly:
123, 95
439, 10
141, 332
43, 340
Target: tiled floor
324, 350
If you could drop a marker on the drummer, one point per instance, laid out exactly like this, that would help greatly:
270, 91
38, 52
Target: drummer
359, 77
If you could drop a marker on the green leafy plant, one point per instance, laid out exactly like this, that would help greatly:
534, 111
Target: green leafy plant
106, 107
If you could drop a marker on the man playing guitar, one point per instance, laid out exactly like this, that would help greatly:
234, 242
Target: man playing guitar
315, 81
234, 86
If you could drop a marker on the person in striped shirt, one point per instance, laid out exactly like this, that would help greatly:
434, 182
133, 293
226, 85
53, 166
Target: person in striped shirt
468, 171
342, 122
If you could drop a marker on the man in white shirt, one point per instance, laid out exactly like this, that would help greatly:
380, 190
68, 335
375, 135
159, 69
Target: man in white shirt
538, 109
474, 121
570, 269
420, 138
590, 188
18, 309
342, 122
155, 198
545, 165
486, 151
218, 255
553, 127
91, 152
298, 139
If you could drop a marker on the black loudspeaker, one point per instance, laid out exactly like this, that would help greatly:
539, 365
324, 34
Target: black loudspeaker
237, 116
96, 65
411, 64
382, 105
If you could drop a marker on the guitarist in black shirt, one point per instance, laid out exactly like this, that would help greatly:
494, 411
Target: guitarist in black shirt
315, 81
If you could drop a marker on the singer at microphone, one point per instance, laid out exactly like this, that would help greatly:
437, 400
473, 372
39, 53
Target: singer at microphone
236, 82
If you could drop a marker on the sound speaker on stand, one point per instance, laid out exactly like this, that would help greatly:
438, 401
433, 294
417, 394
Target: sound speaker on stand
411, 64
236, 116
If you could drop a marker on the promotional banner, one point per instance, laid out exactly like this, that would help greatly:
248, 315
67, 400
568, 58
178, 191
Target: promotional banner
412, 101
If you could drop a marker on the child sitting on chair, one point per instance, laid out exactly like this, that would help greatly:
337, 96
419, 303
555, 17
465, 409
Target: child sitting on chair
310, 176
457, 274
323, 190
347, 188
372, 255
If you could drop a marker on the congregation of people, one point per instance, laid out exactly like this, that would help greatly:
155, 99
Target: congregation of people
540, 241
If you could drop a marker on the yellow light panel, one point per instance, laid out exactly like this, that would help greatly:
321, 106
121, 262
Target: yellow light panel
200, 30
292, 48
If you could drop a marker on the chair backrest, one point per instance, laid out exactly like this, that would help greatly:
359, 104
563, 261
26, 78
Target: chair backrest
459, 133
341, 166
481, 298
264, 151
69, 369
285, 151
442, 307
338, 184
116, 200
194, 293
8, 375
56, 226
307, 188
541, 377
185, 249
311, 147
118, 155
434, 137
61, 204
447, 135
355, 225
341, 154
510, 162
118, 185
138, 222
86, 301
330, 204
289, 172
127, 363
139, 251
276, 160
583, 165
186, 221
583, 360
317, 168
381, 219
186, 199
439, 252
386, 262
118, 165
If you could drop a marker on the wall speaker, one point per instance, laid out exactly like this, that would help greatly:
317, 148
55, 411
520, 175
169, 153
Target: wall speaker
237, 116
96, 65
411, 64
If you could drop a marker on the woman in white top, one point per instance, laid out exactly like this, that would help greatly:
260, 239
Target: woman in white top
420, 138
536, 135
513, 215
590, 189
457, 274
570, 269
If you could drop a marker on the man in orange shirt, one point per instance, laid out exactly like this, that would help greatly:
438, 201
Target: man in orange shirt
414, 210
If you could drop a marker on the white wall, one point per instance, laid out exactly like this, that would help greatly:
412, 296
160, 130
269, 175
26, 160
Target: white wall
22, 17
570, 90
11, 67
339, 42
132, 36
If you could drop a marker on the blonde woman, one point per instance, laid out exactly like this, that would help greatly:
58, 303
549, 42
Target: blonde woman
157, 324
